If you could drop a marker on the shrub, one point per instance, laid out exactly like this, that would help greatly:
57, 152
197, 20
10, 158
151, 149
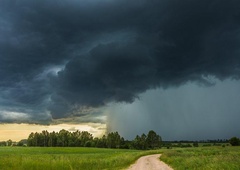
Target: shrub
234, 141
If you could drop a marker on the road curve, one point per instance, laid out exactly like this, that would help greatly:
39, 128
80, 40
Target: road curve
150, 162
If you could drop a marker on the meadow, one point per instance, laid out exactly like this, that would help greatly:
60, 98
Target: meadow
202, 158
64, 158
77, 158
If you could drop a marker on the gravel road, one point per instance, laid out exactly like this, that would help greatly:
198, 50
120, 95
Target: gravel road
150, 162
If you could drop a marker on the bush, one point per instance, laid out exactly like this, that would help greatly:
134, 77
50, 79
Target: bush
234, 141
88, 144
195, 144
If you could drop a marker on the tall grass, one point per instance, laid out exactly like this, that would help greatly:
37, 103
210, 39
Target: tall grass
37, 158
18, 158
204, 158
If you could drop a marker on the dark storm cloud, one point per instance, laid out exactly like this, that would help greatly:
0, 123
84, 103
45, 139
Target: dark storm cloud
62, 56
188, 112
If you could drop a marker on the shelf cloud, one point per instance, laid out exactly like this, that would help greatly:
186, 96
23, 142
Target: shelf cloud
71, 58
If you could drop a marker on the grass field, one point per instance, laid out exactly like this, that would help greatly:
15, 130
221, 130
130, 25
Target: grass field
35, 158
203, 158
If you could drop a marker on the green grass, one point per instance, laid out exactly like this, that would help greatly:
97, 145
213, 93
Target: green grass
36, 158
203, 158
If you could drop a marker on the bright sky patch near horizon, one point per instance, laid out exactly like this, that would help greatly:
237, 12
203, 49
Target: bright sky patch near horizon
17, 132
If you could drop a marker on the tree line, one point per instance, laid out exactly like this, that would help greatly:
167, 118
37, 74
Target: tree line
234, 141
65, 138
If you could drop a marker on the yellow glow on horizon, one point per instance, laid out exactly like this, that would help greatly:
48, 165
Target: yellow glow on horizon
17, 132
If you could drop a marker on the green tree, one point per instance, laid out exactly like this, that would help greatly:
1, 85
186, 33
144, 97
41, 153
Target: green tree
153, 140
234, 141
30, 140
22, 142
195, 144
52, 139
113, 140
143, 141
123, 144
9, 142
3, 143
36, 139
140, 142
85, 137
101, 142
76, 138
62, 138
45, 136
137, 142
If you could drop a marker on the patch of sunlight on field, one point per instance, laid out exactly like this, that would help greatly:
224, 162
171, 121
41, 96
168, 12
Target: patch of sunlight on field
36, 158
203, 158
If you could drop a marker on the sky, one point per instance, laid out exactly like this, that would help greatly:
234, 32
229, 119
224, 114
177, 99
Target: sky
116, 65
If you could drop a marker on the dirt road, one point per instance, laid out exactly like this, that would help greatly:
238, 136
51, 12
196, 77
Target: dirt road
150, 162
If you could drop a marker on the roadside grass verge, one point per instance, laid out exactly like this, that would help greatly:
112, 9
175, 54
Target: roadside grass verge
203, 158
37, 158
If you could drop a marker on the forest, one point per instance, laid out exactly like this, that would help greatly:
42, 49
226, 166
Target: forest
65, 138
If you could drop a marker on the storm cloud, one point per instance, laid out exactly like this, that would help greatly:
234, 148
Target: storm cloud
189, 112
61, 59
